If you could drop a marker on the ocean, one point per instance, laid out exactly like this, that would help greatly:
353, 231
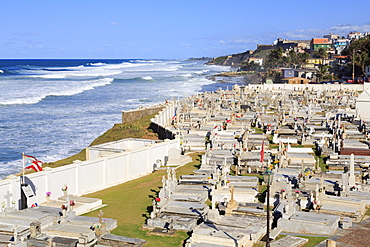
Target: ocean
52, 109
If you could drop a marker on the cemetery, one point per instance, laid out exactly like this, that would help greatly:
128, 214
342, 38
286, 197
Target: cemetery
287, 160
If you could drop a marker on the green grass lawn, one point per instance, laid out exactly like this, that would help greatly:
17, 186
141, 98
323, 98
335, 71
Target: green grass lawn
312, 240
130, 204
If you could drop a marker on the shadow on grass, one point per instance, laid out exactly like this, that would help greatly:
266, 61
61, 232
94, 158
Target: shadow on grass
199, 159
149, 209
156, 193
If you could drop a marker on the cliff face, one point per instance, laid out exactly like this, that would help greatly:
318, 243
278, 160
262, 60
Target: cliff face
232, 60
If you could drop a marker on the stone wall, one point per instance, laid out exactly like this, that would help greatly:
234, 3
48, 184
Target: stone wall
132, 115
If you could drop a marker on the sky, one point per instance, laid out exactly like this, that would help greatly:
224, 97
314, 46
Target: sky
147, 29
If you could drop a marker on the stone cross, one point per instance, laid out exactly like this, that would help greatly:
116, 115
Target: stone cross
168, 172
153, 213
232, 193
163, 182
15, 233
174, 179
67, 203
100, 215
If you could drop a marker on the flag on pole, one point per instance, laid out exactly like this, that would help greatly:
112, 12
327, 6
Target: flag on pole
262, 153
174, 115
31, 162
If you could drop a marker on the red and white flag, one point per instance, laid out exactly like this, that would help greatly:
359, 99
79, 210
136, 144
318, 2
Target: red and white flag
31, 162
262, 153
175, 115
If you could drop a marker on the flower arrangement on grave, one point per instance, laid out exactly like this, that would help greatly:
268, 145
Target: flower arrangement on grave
64, 207
34, 205
228, 181
297, 191
72, 203
3, 204
48, 193
316, 204
96, 226
65, 188
282, 190
157, 199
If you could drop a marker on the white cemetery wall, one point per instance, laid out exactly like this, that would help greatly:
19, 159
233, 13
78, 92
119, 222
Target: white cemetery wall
9, 191
138, 161
316, 87
54, 181
87, 176
164, 117
117, 168
90, 175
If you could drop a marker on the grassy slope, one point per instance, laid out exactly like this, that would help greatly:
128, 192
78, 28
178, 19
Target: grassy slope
134, 129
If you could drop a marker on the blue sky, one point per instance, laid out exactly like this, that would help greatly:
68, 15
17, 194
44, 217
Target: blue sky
167, 29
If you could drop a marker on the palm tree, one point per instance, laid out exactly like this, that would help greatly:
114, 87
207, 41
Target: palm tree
362, 60
358, 51
322, 72
320, 53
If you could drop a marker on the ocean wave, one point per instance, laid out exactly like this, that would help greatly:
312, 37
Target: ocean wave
35, 94
71, 74
96, 64
202, 71
147, 78
1, 71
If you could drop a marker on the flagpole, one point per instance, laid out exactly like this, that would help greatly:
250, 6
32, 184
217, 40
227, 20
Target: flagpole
23, 167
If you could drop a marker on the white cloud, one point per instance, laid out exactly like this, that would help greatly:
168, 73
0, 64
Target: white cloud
340, 29
114, 23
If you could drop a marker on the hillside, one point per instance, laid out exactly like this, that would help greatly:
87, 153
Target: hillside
234, 60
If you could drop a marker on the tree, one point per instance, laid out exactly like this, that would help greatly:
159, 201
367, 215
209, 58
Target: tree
359, 53
250, 66
274, 59
362, 60
322, 72
320, 53
297, 59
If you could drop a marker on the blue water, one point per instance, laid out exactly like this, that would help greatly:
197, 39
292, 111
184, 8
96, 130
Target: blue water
52, 109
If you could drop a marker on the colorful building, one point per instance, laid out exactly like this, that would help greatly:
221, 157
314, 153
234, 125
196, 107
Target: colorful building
317, 43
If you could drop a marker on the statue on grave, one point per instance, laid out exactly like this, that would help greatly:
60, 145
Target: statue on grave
231, 205
35, 229
153, 214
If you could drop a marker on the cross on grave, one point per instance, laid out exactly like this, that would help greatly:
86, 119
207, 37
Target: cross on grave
67, 203
7, 197
100, 215
15, 233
